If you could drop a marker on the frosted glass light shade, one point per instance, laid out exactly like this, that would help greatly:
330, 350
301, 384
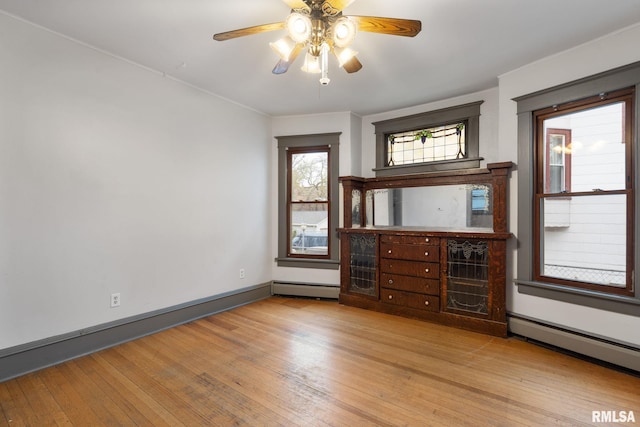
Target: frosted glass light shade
344, 55
311, 64
299, 27
344, 32
283, 47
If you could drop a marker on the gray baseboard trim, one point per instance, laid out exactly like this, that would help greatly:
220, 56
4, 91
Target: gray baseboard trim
313, 290
30, 357
620, 354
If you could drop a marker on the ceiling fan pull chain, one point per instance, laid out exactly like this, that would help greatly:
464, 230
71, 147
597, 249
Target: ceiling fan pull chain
324, 80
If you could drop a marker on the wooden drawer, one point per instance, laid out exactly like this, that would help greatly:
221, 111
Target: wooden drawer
410, 299
409, 240
428, 270
410, 284
411, 252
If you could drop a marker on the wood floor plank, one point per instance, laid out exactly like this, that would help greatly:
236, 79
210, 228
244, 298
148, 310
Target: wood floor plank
289, 361
67, 397
271, 389
135, 394
41, 401
376, 367
7, 406
16, 407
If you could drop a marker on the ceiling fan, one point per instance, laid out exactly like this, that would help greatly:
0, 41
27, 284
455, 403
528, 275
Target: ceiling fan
320, 27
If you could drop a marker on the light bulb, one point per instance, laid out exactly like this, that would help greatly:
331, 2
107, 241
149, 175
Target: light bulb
299, 27
344, 31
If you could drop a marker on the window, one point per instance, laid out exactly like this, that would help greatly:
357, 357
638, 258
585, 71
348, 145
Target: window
480, 212
587, 181
438, 140
307, 201
434, 144
577, 208
558, 160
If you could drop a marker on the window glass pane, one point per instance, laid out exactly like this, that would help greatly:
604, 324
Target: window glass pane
556, 149
309, 228
595, 156
556, 176
427, 145
584, 239
309, 173
480, 199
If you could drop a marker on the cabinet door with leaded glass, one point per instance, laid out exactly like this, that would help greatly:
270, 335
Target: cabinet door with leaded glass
467, 278
362, 264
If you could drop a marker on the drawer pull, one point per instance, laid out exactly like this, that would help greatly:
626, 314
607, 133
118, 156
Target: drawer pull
391, 281
390, 296
426, 240
389, 251
426, 270
426, 254
426, 303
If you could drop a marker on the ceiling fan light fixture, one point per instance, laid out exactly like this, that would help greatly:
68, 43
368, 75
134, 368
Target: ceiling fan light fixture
283, 47
344, 55
344, 31
299, 27
317, 27
311, 64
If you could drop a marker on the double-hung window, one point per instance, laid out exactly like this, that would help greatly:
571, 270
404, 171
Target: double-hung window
577, 184
557, 169
583, 206
307, 201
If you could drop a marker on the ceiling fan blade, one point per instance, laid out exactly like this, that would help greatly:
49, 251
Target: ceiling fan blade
282, 66
392, 26
352, 65
297, 4
337, 4
248, 31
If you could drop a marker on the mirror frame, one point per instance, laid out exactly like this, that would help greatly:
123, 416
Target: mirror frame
495, 174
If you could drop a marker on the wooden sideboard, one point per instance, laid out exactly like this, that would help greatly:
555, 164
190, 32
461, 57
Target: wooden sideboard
451, 276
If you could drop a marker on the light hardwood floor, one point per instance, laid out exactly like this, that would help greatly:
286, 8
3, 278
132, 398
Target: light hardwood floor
304, 362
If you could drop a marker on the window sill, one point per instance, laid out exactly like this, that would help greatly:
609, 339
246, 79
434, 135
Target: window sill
327, 264
609, 302
437, 166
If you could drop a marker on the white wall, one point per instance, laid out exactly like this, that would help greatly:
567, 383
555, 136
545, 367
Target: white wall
600, 55
116, 179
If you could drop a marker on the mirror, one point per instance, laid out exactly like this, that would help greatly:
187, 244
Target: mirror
450, 207
356, 196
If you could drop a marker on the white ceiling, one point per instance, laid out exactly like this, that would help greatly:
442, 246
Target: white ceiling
463, 47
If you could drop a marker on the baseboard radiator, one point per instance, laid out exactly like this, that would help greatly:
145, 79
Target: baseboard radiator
312, 290
620, 354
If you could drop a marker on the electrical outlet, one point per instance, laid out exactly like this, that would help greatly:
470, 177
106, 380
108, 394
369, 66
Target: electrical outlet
115, 300
242, 273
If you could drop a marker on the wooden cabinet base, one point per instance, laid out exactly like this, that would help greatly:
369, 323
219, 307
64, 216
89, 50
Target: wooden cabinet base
437, 255
484, 326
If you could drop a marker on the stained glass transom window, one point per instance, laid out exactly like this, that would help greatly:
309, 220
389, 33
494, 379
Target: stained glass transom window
434, 144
